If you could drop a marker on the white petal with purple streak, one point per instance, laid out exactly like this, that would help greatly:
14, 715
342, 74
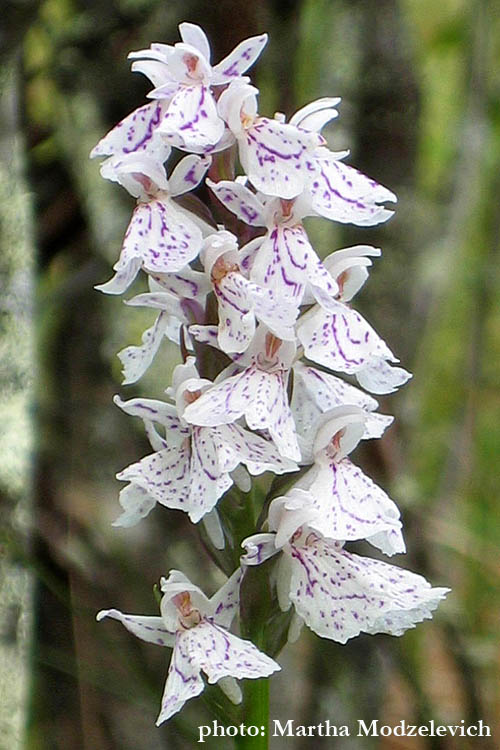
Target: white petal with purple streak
160, 238
258, 548
192, 121
286, 263
221, 654
164, 475
258, 395
275, 156
238, 199
341, 193
255, 452
136, 133
350, 506
344, 341
160, 412
239, 60
226, 601
184, 680
150, 629
339, 595
188, 174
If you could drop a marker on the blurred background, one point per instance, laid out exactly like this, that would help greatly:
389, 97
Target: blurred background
420, 88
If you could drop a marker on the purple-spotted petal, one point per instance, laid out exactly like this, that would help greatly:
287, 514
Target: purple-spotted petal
239, 60
137, 359
136, 133
238, 199
150, 629
258, 395
186, 283
207, 482
153, 410
350, 506
226, 601
221, 654
236, 318
325, 391
161, 236
184, 680
164, 475
276, 312
340, 595
239, 445
192, 122
259, 548
343, 340
341, 193
276, 266
275, 156
188, 174
286, 263
159, 300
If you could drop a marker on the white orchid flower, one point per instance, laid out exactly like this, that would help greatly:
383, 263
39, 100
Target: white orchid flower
283, 259
240, 301
336, 593
275, 156
192, 465
162, 237
347, 504
183, 75
258, 391
198, 630
340, 338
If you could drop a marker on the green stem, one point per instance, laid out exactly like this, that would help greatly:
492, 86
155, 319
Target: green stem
255, 713
255, 707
